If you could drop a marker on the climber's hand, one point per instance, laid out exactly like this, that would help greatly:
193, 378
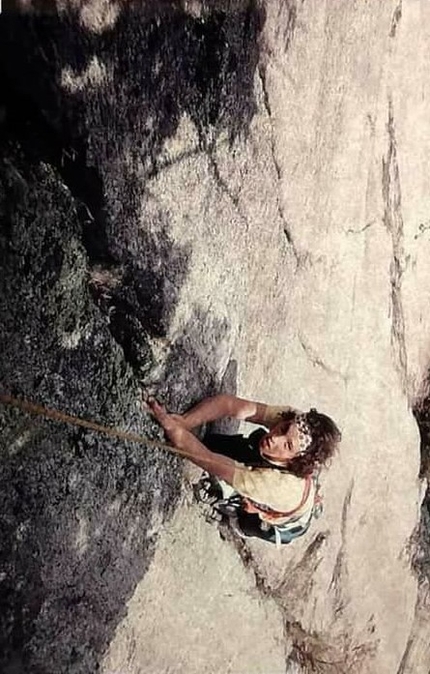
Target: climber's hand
174, 430
182, 421
159, 413
156, 410
191, 447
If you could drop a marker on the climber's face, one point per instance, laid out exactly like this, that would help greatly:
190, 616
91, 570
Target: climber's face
281, 444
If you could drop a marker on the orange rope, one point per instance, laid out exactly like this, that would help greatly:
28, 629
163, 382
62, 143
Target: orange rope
56, 415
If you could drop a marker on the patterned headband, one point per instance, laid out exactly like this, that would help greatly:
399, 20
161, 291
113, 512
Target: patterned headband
305, 435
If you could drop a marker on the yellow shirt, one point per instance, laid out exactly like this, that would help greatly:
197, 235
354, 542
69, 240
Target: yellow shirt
274, 488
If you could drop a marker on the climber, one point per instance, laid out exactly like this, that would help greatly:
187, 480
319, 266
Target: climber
272, 472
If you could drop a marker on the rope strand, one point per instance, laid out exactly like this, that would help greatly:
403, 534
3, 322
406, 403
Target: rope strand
56, 415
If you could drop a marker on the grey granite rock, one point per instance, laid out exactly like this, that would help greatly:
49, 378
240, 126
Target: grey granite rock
85, 286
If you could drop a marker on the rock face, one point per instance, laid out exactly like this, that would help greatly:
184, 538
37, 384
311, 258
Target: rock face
204, 196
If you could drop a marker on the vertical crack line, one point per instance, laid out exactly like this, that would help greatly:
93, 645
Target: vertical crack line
224, 187
397, 15
340, 571
393, 221
404, 661
317, 361
298, 257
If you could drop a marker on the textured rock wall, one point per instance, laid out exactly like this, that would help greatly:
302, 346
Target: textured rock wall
76, 510
90, 281
199, 196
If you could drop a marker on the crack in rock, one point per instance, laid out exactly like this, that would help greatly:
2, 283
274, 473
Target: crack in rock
165, 164
340, 571
404, 662
300, 259
417, 650
393, 221
397, 15
317, 361
223, 185
351, 230
287, 24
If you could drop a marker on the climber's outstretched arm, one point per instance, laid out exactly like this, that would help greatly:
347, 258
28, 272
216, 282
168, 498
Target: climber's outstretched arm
223, 405
216, 464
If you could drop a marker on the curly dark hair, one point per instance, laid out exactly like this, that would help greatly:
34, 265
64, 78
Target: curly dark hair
325, 439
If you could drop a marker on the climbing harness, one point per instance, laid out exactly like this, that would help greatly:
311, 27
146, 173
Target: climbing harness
208, 493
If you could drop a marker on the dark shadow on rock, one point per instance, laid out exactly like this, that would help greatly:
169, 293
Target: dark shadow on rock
104, 135
193, 361
77, 510
421, 410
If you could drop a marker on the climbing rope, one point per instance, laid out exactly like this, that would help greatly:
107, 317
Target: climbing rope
56, 415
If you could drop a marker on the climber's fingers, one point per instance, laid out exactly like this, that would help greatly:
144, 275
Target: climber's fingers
179, 419
156, 410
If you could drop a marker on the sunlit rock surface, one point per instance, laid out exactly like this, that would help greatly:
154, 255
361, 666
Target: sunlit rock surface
200, 197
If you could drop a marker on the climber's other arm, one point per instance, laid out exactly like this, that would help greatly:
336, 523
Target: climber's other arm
216, 464
220, 406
